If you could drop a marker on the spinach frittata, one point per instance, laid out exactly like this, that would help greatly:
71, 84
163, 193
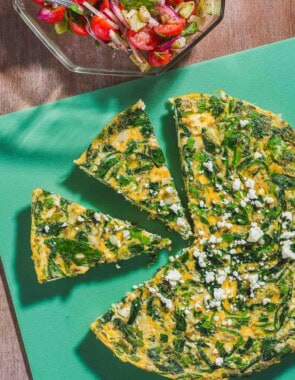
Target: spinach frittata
68, 239
126, 156
226, 306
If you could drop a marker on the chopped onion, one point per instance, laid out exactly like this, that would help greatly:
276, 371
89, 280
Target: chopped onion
167, 44
118, 41
167, 13
93, 35
117, 12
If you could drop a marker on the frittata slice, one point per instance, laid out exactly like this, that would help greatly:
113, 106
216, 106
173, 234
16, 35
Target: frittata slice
68, 239
204, 324
126, 156
234, 153
226, 306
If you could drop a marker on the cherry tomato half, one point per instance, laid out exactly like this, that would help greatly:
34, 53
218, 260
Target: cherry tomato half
104, 5
158, 58
101, 27
39, 2
52, 15
171, 29
78, 25
145, 39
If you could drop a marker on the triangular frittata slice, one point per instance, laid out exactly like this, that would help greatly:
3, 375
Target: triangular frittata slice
228, 147
207, 323
126, 156
68, 239
225, 307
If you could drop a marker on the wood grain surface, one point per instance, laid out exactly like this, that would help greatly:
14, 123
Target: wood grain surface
29, 76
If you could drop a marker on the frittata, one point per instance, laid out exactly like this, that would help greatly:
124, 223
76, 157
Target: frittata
126, 156
68, 239
226, 306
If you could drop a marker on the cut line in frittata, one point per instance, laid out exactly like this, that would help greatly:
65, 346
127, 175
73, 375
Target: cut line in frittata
127, 157
68, 239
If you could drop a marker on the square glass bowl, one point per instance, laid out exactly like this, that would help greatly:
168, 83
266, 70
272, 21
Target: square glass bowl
82, 55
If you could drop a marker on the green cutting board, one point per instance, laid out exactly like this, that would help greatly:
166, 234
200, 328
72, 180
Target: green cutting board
37, 148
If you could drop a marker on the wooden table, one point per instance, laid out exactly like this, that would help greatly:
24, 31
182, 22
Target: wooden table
29, 76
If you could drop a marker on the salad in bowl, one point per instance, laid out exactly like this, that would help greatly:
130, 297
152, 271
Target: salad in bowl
151, 32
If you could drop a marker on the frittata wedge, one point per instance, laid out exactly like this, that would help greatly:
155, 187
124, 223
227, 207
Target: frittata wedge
68, 239
226, 306
126, 156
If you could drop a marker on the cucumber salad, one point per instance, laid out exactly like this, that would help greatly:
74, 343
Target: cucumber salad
151, 32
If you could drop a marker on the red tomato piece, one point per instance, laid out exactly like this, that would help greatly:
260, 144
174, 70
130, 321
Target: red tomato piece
146, 39
174, 2
171, 29
101, 27
39, 2
80, 2
158, 58
78, 25
52, 15
104, 5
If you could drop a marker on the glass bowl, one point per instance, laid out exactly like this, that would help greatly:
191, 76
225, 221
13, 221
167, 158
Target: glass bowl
82, 55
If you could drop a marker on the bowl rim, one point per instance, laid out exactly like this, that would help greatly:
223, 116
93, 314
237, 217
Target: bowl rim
69, 65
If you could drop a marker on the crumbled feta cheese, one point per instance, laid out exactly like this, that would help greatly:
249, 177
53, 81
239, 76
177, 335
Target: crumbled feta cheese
219, 361
115, 241
169, 189
244, 123
197, 306
218, 187
213, 239
266, 301
250, 183
175, 208
287, 235
124, 312
118, 266
237, 184
221, 277
126, 234
269, 200
162, 203
287, 252
215, 351
209, 166
209, 277
287, 215
257, 155
201, 233
201, 257
173, 277
229, 322
251, 194
202, 204
219, 294
258, 204
46, 229
255, 234
243, 203
80, 219
181, 222
216, 318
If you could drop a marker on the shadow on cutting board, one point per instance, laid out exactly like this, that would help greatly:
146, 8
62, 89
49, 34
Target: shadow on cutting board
30, 291
104, 364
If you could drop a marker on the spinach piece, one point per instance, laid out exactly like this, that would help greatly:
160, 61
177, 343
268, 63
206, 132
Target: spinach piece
163, 338
268, 348
171, 366
284, 181
54, 228
180, 320
131, 334
136, 249
131, 146
157, 156
153, 354
134, 310
201, 104
205, 326
124, 180
216, 106
107, 317
105, 166
179, 344
280, 315
152, 311
108, 148
136, 4
138, 234
48, 202
69, 249
82, 236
